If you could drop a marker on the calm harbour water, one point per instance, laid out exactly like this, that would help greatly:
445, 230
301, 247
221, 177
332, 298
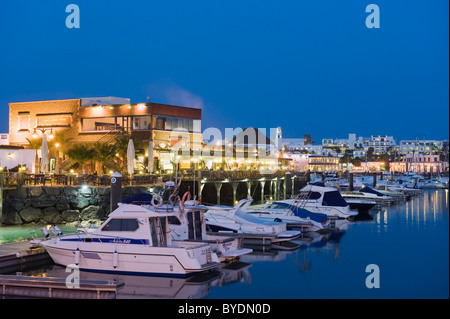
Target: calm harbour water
409, 241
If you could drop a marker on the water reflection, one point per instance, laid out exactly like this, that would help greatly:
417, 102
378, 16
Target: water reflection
428, 208
326, 254
312, 242
154, 287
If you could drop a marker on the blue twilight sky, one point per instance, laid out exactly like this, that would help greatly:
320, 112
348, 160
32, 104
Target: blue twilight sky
311, 67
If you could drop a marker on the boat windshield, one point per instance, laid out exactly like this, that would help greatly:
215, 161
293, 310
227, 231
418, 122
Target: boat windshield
334, 198
309, 195
121, 224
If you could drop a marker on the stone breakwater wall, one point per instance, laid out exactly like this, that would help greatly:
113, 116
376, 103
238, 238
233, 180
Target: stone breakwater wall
59, 204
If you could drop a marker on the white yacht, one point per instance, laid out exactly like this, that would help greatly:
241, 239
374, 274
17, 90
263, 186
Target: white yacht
368, 193
255, 231
188, 222
394, 192
133, 240
294, 216
319, 198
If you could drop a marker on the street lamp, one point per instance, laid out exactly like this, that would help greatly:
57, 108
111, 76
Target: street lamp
43, 130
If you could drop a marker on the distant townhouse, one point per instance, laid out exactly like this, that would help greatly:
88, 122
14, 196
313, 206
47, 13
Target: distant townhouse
423, 146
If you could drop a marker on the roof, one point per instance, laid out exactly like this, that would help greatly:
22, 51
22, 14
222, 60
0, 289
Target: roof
252, 136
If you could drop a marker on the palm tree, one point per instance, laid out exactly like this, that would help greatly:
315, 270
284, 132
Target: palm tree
121, 143
81, 153
35, 144
105, 154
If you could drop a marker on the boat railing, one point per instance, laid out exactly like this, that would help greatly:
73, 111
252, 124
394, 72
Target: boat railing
301, 199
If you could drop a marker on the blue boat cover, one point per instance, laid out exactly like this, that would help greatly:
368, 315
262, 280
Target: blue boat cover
140, 198
334, 198
370, 190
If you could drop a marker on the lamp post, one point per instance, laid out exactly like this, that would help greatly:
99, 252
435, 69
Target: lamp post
43, 130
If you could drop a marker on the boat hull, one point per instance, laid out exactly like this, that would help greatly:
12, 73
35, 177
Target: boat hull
157, 261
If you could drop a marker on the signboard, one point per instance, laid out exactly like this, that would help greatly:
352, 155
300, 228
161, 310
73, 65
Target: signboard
54, 120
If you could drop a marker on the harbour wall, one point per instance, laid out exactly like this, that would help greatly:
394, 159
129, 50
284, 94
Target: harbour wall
58, 204
67, 204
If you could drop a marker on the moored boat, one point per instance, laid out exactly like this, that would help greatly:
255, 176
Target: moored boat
368, 193
234, 221
319, 198
294, 216
133, 240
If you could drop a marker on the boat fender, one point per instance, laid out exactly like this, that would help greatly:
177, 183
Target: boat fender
45, 232
58, 230
115, 259
77, 256
159, 201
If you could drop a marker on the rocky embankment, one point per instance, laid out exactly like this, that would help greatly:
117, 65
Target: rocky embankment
59, 204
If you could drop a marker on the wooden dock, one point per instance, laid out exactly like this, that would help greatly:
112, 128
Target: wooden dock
56, 288
16, 256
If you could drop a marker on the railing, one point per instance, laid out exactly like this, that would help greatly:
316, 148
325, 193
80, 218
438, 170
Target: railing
110, 136
14, 179
231, 174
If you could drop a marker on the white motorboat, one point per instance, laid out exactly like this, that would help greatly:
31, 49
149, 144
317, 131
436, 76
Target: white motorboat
368, 193
188, 222
319, 198
133, 240
294, 216
255, 231
433, 183
399, 185
395, 192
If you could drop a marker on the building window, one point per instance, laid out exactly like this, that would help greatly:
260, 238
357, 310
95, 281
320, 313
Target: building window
174, 123
102, 124
142, 122
24, 122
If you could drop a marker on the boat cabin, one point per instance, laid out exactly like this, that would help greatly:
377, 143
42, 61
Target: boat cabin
138, 225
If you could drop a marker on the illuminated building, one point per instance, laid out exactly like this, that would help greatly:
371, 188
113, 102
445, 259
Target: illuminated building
102, 119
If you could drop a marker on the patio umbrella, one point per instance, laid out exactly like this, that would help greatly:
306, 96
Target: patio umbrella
150, 157
130, 157
44, 155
